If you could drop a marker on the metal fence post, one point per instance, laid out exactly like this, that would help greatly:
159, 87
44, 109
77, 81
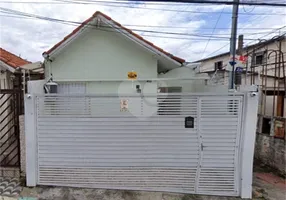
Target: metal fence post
31, 142
248, 143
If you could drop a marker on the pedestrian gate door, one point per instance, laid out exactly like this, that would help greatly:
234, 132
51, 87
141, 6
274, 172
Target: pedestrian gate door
10, 106
164, 142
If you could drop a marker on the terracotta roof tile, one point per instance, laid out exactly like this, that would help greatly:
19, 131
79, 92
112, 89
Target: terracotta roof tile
11, 59
180, 60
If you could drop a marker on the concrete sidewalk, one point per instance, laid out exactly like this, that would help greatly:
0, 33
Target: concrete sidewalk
269, 186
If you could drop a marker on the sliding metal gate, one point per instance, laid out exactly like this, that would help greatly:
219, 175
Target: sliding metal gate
166, 142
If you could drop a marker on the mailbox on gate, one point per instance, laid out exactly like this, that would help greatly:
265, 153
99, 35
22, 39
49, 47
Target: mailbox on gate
189, 122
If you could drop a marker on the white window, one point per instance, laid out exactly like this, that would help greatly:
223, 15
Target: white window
72, 88
74, 105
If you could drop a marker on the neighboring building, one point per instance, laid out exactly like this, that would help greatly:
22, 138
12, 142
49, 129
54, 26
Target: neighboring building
15, 72
97, 56
13, 77
9, 65
258, 57
264, 66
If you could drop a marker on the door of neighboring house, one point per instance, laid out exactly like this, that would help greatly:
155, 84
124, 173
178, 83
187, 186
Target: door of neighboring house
10, 106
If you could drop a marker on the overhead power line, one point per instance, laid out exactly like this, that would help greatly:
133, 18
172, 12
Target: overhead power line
23, 14
171, 27
212, 32
250, 3
226, 2
176, 2
130, 6
274, 30
217, 50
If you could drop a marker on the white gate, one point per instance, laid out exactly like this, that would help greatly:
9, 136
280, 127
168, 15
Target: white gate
165, 142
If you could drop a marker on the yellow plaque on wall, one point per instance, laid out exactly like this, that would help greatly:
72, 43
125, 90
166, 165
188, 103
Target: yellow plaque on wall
132, 75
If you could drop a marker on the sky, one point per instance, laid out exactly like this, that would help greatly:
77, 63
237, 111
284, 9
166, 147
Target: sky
195, 31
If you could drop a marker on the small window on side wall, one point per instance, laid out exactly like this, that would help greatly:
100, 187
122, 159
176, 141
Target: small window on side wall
218, 65
259, 58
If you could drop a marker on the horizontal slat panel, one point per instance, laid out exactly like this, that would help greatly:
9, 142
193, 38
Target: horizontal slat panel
159, 132
87, 141
162, 119
76, 151
108, 122
151, 140
152, 163
220, 121
109, 128
99, 136
148, 178
116, 144
123, 126
129, 156
113, 149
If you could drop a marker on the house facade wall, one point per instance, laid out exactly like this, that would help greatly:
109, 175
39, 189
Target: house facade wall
98, 55
209, 64
5, 80
222, 77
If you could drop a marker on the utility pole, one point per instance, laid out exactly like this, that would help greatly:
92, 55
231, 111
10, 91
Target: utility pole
233, 42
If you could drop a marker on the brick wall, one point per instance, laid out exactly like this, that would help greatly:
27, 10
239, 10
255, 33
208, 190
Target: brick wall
271, 152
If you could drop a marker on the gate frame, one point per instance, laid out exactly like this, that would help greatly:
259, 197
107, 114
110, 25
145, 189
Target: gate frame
247, 140
248, 136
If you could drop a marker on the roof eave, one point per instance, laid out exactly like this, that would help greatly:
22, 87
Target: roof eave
8, 67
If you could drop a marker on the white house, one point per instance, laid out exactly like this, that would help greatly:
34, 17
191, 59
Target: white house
98, 55
188, 142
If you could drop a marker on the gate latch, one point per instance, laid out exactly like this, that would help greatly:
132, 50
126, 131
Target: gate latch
189, 122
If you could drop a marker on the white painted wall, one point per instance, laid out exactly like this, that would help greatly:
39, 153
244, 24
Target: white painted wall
187, 85
209, 65
218, 79
102, 55
266, 105
119, 87
5, 80
36, 87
